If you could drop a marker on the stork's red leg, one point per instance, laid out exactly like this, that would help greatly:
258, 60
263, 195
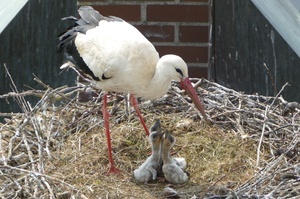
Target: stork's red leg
135, 105
112, 168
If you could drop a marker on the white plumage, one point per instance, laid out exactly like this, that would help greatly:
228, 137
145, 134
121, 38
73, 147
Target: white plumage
119, 58
120, 52
173, 172
181, 162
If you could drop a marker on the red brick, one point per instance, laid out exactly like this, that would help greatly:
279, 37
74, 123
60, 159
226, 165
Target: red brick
157, 33
198, 72
190, 54
193, 34
177, 13
126, 12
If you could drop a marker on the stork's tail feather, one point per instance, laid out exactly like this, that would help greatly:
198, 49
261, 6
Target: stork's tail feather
89, 15
90, 18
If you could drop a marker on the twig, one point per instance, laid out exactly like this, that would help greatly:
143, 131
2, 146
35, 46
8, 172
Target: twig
39, 174
262, 135
271, 77
276, 97
39, 130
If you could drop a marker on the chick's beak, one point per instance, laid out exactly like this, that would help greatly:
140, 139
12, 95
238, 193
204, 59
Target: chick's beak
188, 87
156, 126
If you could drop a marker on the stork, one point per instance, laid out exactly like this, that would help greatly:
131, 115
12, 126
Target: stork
119, 58
172, 169
152, 166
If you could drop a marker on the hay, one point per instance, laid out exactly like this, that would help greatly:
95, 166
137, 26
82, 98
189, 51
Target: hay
57, 148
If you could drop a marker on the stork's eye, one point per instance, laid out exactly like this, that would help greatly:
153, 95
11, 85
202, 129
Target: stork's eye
179, 71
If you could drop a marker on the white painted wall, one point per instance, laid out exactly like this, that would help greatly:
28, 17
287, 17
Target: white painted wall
8, 10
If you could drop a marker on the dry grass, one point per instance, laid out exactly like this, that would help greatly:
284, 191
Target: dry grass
212, 155
59, 151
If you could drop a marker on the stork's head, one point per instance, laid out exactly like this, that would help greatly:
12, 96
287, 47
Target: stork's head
168, 140
155, 139
178, 71
156, 126
155, 133
174, 66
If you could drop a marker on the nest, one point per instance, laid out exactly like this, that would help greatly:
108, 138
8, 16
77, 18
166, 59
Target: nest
57, 148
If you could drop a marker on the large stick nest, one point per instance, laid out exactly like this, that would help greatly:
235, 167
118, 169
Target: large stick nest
57, 148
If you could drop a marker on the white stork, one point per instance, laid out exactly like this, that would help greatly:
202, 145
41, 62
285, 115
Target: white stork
120, 59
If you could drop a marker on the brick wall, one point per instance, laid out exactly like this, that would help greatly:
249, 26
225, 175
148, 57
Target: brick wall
179, 27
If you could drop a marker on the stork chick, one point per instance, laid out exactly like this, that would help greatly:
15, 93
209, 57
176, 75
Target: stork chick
148, 170
181, 162
173, 173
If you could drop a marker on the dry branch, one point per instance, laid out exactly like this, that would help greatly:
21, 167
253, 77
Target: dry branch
28, 139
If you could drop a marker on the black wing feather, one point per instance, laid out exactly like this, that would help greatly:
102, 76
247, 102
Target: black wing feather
90, 18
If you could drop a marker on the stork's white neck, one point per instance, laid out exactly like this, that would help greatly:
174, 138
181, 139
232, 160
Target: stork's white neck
160, 83
164, 73
168, 68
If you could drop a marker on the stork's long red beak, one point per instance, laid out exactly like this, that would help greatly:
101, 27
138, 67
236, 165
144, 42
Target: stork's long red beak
187, 86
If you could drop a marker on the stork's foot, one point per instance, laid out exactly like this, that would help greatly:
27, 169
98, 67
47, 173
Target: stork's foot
114, 170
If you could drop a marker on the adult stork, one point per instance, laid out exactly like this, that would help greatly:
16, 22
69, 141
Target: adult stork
120, 59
